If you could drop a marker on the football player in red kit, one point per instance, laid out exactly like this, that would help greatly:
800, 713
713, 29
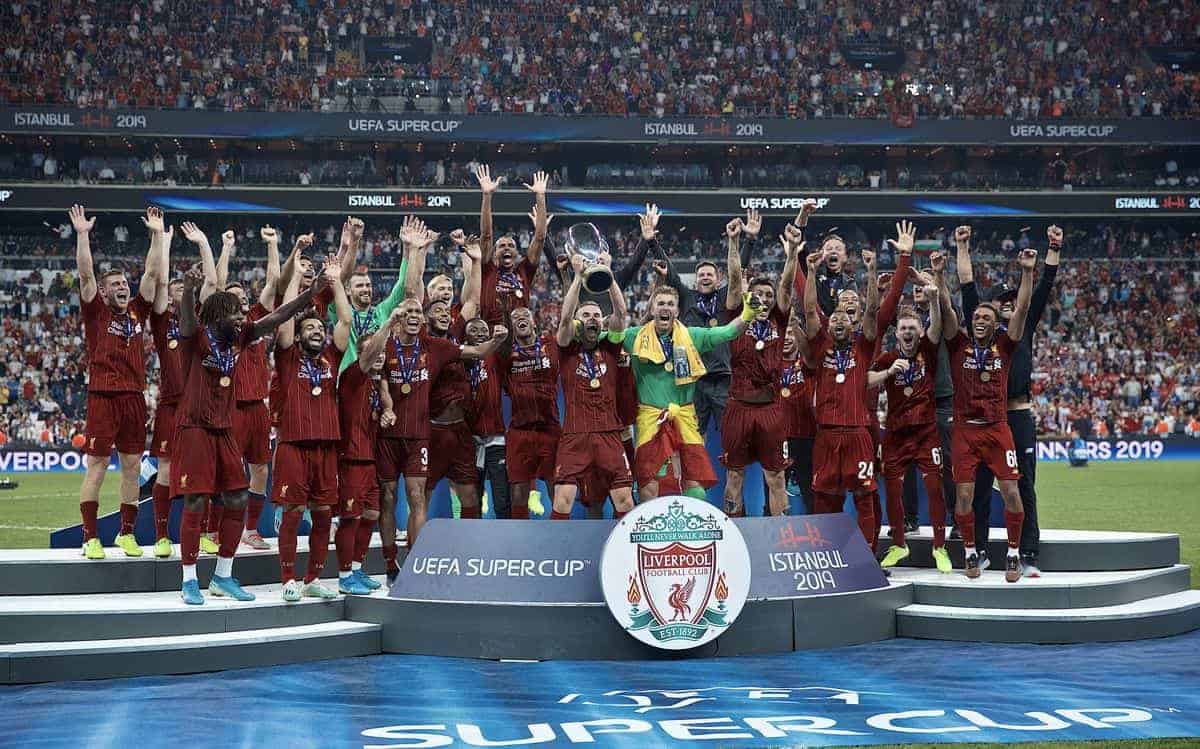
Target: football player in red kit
754, 426
980, 358
114, 328
364, 406
907, 373
487, 421
164, 329
305, 468
796, 400
206, 460
414, 361
843, 453
507, 277
529, 372
590, 459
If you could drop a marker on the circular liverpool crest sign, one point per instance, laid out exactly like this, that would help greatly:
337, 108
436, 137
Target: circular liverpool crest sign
675, 572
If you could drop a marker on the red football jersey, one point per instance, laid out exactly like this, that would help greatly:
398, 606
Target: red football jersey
321, 300
206, 401
252, 375
359, 409
449, 389
487, 414
416, 366
797, 380
116, 356
591, 409
755, 370
530, 376
308, 407
165, 330
975, 399
841, 403
910, 394
500, 292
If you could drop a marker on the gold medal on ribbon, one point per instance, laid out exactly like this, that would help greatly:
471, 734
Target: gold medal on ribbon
759, 345
840, 378
669, 366
786, 392
316, 390
225, 382
173, 344
985, 376
406, 388
594, 384
908, 391
712, 322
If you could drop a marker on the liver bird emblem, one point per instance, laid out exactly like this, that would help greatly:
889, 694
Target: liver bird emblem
678, 598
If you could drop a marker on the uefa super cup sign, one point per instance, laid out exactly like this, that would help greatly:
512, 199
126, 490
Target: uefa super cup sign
675, 573
586, 241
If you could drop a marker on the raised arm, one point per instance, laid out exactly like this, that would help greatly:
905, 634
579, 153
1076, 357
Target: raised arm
148, 286
733, 257
341, 305
949, 318
962, 242
647, 243
1041, 292
349, 247
192, 233
472, 261
1016, 326
193, 281
285, 332
266, 297
162, 295
812, 311
906, 236
934, 295
83, 253
783, 299
487, 233
620, 310
412, 236
570, 303
870, 315
540, 217
303, 242
488, 347
228, 248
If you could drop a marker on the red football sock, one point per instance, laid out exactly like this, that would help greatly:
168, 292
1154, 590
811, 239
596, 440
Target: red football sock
162, 509
937, 507
520, 510
1012, 523
232, 524
389, 555
877, 515
87, 510
826, 502
471, 513
362, 539
128, 518
865, 505
966, 527
287, 544
189, 535
343, 541
254, 508
895, 508
318, 542
556, 515
215, 512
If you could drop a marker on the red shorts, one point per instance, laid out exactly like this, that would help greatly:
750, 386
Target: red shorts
304, 473
452, 454
164, 430
753, 433
401, 456
115, 419
206, 462
843, 460
989, 444
530, 455
252, 430
919, 443
358, 487
595, 462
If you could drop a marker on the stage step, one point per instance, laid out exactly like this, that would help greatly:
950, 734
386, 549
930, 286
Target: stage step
1159, 616
103, 616
1053, 590
1061, 550
30, 572
32, 662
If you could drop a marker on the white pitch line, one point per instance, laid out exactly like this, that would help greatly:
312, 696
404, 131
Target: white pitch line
25, 528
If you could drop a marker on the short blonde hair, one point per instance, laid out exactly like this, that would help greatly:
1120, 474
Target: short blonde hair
436, 280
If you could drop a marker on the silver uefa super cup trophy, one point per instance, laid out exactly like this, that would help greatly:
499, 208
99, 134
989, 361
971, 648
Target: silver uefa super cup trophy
586, 241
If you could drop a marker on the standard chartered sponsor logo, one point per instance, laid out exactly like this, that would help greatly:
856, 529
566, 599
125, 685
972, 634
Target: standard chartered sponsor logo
481, 567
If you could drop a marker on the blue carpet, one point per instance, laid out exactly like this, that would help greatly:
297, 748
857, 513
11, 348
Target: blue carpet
944, 692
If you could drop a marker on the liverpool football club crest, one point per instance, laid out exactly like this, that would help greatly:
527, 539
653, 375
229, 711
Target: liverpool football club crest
675, 572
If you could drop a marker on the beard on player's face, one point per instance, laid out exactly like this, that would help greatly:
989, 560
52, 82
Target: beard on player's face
789, 344
312, 336
229, 326
522, 323
506, 252
591, 322
840, 326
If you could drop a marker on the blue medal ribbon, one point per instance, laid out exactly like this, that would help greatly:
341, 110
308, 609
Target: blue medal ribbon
225, 359
709, 308
980, 355
311, 370
760, 330
474, 372
668, 346
408, 368
172, 328
536, 348
363, 322
589, 364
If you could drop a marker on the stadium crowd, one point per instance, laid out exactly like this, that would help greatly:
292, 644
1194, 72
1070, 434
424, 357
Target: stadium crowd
794, 58
1116, 329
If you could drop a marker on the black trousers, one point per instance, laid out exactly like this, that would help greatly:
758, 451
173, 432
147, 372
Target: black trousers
711, 395
495, 470
945, 421
800, 472
1024, 434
